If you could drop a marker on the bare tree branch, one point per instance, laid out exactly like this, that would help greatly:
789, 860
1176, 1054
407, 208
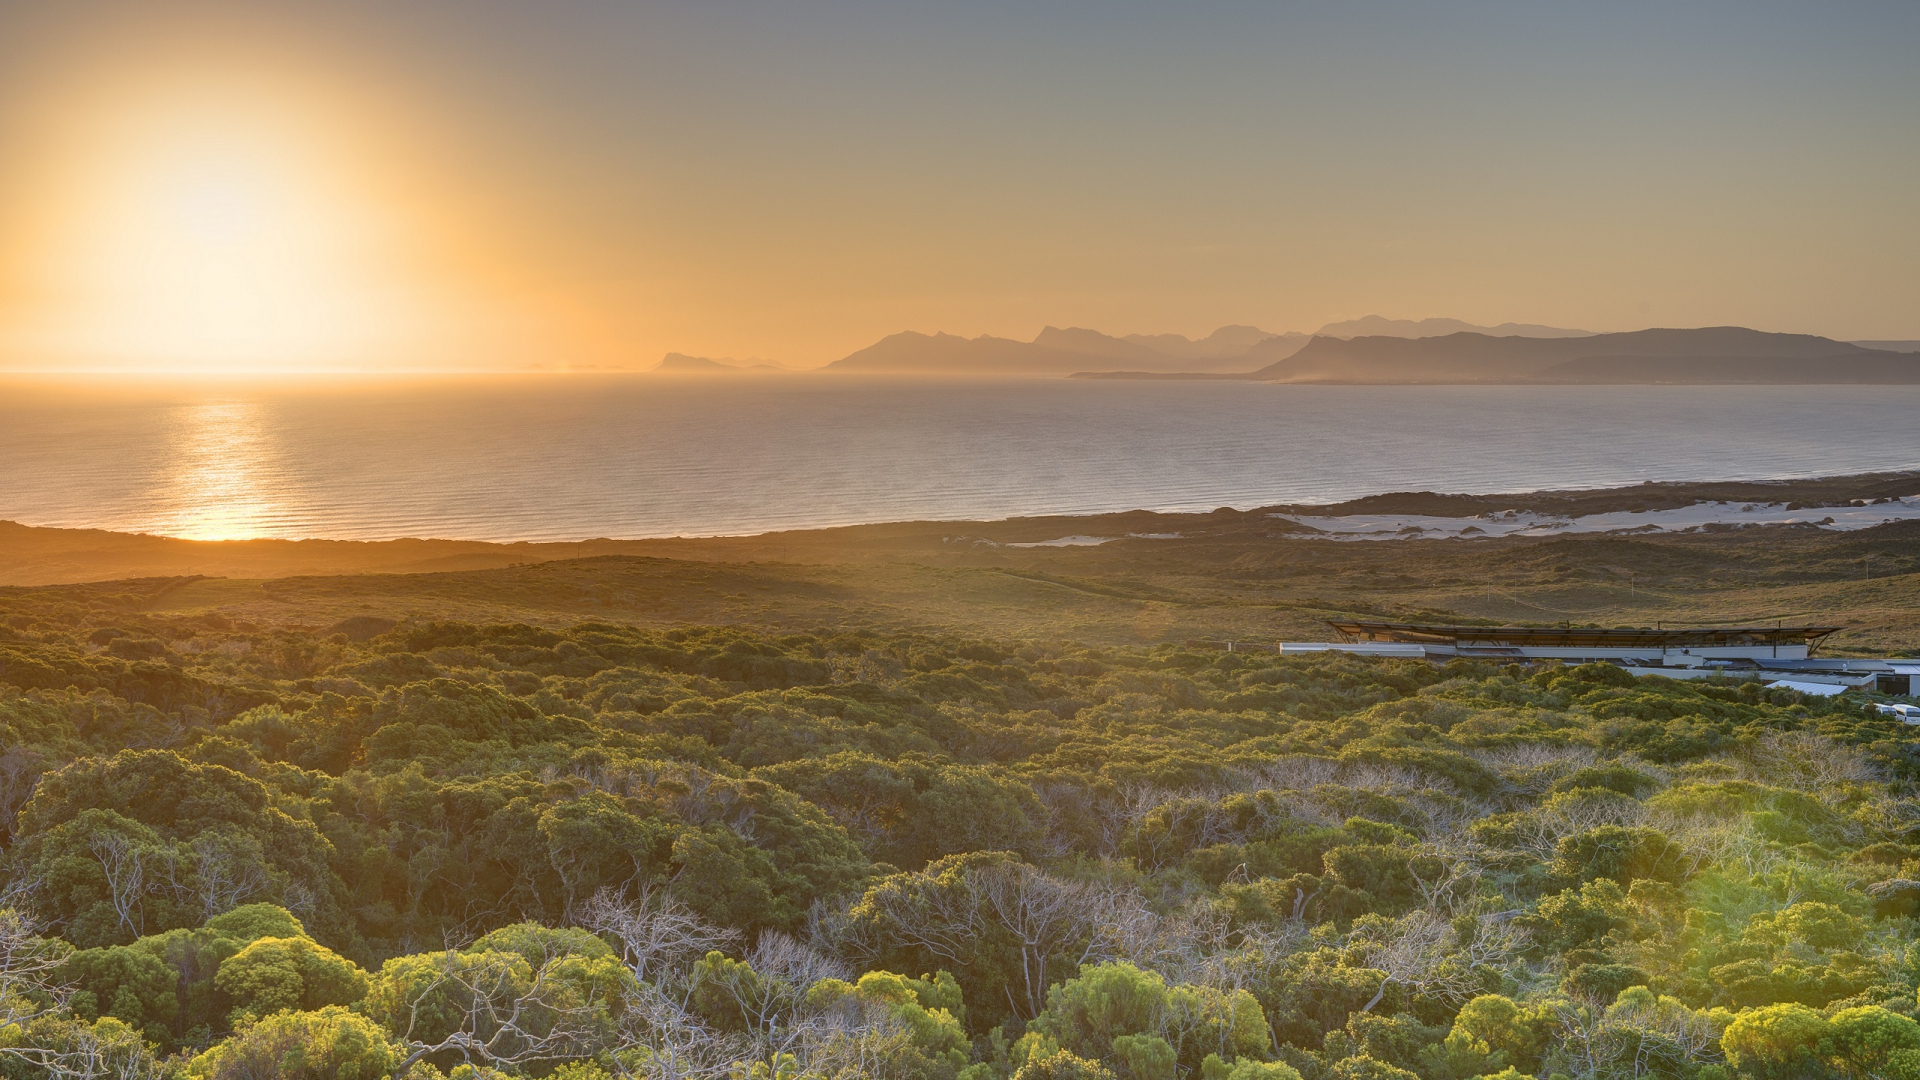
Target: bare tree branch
652, 933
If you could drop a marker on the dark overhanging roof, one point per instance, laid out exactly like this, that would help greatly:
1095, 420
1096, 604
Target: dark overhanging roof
1580, 637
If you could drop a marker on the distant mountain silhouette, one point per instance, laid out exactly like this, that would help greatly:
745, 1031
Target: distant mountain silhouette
681, 364
1275, 349
1509, 353
1376, 326
914, 353
1083, 342
1223, 344
1060, 352
1718, 354
1869, 369
1891, 346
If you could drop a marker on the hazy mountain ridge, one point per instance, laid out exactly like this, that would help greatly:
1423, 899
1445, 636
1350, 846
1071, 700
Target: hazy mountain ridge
1509, 352
1893, 368
681, 364
1057, 351
911, 352
1709, 354
1380, 326
1228, 341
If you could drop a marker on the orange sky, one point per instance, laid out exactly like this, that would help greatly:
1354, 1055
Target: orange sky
489, 184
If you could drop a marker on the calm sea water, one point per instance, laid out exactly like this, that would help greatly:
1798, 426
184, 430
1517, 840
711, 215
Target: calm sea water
555, 458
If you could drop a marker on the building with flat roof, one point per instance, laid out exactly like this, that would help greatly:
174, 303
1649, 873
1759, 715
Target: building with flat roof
1679, 647
1781, 651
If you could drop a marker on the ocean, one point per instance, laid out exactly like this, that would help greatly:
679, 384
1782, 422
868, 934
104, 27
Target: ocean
544, 457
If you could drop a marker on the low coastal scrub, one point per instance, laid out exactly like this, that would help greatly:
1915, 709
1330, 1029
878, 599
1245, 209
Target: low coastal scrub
442, 850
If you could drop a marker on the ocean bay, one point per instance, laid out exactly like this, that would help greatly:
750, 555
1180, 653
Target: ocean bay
574, 457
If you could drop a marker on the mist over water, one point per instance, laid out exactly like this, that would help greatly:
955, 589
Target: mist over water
564, 458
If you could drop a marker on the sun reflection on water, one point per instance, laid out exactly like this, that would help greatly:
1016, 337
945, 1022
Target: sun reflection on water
218, 482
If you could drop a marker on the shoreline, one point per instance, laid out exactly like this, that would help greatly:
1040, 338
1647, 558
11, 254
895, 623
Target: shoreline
33, 555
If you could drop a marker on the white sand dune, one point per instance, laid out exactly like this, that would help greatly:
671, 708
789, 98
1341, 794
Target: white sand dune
1681, 519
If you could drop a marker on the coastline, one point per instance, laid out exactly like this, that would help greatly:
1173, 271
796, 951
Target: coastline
32, 556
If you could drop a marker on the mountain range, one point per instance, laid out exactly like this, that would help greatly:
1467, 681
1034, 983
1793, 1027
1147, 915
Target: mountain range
1714, 354
681, 364
1376, 326
1374, 349
1055, 351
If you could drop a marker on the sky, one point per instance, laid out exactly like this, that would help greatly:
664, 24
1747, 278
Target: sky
575, 183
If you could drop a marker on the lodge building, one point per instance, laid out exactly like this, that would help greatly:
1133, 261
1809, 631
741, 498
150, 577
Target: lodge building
1785, 652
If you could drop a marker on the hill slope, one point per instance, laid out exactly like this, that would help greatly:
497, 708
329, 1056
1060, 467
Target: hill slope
1710, 354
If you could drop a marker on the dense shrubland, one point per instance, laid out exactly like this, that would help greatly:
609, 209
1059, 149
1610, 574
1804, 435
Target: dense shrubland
433, 849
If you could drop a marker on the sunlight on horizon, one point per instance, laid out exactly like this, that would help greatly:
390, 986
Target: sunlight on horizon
217, 482
200, 238
234, 229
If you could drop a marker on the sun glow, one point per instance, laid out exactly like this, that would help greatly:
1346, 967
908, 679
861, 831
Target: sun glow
223, 232
214, 254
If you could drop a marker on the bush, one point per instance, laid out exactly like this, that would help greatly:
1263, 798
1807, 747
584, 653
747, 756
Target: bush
1603, 982
327, 1044
1063, 1065
1621, 854
274, 973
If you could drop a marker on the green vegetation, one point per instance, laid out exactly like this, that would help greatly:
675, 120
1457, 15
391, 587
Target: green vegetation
427, 848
